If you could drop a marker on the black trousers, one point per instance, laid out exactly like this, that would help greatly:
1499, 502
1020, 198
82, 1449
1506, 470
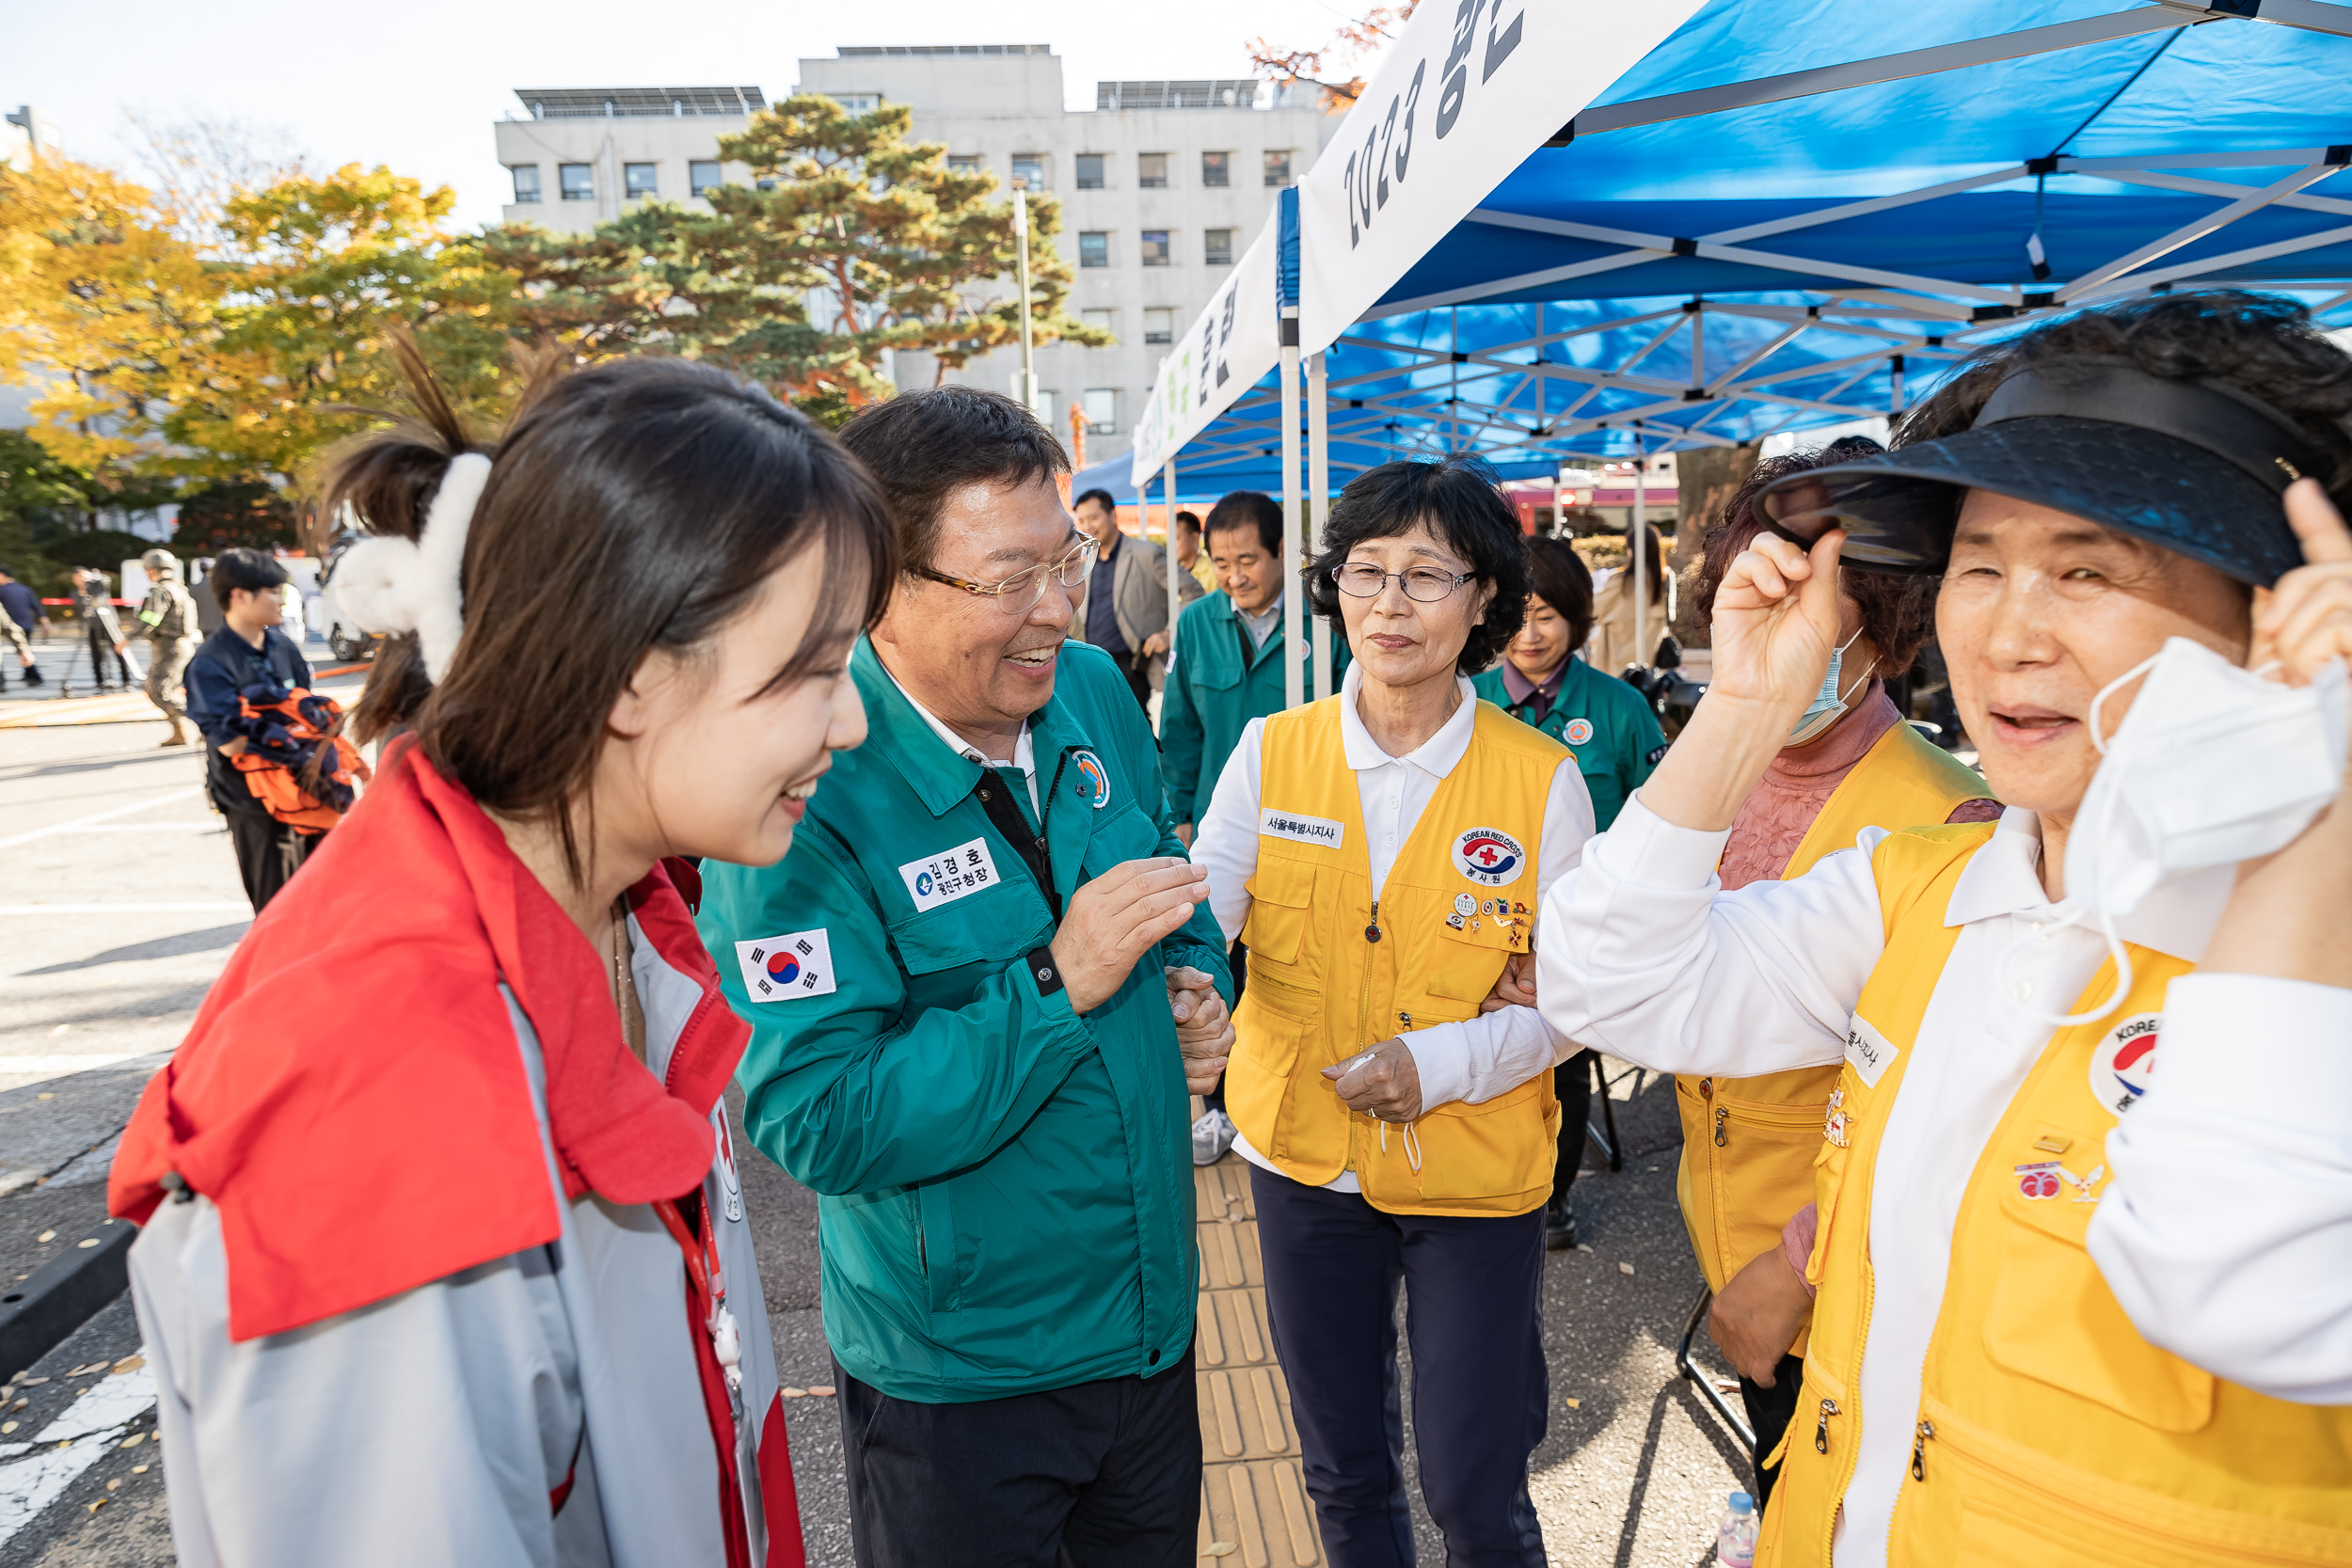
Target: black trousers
1572, 1080
102, 648
1101, 1475
268, 852
1138, 670
1481, 1392
1770, 1411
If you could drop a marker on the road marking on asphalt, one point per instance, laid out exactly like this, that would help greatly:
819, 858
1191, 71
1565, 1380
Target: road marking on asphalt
78, 823
77, 1439
212, 906
69, 1063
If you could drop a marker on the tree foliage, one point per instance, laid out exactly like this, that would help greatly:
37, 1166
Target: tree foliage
1320, 67
850, 242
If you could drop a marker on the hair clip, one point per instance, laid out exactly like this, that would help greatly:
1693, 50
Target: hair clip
2293, 472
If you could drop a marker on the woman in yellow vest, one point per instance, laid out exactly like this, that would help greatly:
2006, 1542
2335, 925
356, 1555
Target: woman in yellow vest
1746, 1175
1381, 853
2071, 1311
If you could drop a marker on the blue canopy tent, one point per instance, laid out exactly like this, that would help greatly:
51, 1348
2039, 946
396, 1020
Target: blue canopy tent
1798, 212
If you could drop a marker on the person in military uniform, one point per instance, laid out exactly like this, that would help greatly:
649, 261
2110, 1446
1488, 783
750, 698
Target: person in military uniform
169, 615
1541, 681
981, 986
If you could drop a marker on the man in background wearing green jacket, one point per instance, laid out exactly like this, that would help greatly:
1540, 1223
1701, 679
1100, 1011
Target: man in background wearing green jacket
979, 989
1226, 670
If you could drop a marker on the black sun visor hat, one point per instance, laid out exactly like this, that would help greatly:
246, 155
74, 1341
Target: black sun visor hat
2195, 466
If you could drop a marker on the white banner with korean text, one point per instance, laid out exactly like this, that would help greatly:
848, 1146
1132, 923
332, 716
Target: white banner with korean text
1221, 355
1469, 91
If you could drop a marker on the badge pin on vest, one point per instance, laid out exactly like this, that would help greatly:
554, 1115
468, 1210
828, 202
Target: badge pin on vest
2211, 765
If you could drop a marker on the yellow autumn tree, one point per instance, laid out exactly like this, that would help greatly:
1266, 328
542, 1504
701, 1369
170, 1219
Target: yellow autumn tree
104, 310
317, 272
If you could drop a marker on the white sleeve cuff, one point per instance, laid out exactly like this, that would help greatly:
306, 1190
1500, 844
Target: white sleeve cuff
2232, 1042
1643, 850
1442, 1055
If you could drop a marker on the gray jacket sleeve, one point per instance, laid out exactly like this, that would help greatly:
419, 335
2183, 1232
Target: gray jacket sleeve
426, 1428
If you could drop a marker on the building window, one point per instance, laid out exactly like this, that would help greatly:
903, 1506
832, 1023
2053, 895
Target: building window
1159, 325
526, 184
642, 180
1102, 321
1277, 169
702, 177
579, 181
1028, 170
1151, 170
1094, 248
1089, 172
858, 102
1216, 170
1102, 407
964, 163
1217, 248
1156, 247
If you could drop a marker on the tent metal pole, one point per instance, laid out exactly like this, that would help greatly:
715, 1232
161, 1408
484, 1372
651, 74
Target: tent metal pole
1319, 504
1175, 602
1636, 537
1293, 561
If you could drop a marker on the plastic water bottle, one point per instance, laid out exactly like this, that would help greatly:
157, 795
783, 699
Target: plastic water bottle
1734, 1538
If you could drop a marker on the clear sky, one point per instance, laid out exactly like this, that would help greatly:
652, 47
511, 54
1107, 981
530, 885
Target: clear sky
417, 83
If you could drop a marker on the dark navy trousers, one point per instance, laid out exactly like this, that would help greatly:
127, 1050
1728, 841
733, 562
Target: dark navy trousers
1481, 1393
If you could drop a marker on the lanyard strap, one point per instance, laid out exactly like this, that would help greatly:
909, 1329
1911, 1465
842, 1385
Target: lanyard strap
1004, 814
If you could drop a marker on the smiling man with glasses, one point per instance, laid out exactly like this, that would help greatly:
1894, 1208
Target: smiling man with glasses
980, 988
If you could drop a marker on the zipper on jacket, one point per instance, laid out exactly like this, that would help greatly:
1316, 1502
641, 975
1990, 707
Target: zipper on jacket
1723, 1114
1919, 1451
1821, 1433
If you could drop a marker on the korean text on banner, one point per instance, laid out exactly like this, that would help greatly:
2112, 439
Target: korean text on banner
1220, 357
1469, 90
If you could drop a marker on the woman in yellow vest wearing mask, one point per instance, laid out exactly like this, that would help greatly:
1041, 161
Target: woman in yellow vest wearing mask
1851, 763
1381, 853
2071, 1309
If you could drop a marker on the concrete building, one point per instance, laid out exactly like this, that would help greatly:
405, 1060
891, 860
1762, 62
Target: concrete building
1161, 184
584, 152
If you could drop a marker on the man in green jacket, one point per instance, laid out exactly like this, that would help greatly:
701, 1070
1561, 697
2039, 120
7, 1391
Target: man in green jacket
1228, 665
980, 987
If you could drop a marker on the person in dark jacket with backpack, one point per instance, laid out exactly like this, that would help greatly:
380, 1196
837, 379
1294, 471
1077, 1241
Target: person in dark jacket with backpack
248, 650
20, 612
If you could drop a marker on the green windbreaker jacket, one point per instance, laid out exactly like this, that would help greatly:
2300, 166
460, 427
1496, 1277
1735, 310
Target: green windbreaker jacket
1005, 1188
1219, 685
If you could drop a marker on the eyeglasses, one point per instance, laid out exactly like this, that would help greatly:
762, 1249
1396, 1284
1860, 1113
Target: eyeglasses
1361, 580
1023, 591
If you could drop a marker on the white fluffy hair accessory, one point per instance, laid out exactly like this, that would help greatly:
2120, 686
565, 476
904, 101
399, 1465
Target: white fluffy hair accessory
392, 584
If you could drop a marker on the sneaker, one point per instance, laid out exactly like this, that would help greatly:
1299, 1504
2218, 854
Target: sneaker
1559, 1221
1212, 1136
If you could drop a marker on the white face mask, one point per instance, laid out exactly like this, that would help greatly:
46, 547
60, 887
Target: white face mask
1828, 708
2212, 765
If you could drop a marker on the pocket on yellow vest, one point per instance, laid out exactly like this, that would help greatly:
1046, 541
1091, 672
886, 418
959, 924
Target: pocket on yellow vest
1762, 1171
1464, 967
1281, 896
2053, 1319
1496, 1150
2019, 1509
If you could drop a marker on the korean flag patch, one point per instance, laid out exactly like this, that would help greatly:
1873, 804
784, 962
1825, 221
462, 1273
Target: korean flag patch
777, 968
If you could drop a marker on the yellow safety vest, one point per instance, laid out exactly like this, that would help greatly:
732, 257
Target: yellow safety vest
1331, 972
2049, 1431
1748, 1142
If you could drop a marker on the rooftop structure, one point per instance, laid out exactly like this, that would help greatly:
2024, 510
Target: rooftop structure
640, 102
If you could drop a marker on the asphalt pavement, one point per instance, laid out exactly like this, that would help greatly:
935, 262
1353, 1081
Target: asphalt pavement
118, 905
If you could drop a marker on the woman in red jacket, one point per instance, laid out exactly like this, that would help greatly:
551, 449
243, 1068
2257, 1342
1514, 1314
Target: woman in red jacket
444, 1253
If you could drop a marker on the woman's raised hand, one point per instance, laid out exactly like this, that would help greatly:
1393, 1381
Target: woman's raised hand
2307, 619
1776, 619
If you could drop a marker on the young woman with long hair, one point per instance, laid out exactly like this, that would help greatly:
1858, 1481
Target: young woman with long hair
445, 1257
